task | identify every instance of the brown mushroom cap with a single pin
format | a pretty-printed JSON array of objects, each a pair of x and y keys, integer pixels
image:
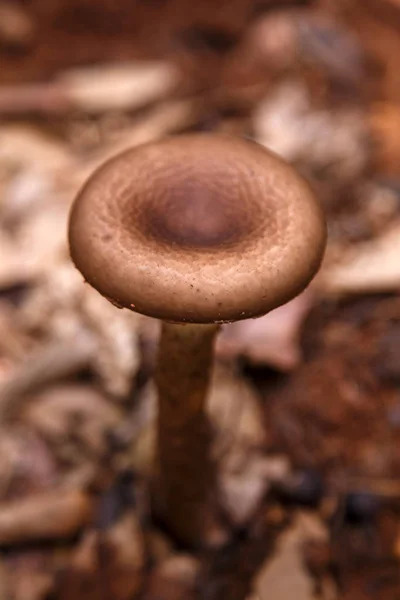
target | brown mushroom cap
[{"x": 200, "y": 228}]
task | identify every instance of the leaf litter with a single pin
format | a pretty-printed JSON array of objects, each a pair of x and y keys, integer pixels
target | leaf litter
[{"x": 310, "y": 390}]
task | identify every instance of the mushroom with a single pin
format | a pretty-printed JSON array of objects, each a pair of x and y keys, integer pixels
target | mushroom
[{"x": 195, "y": 230}]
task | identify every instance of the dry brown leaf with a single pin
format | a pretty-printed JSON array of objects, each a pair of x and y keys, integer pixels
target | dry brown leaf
[
  {"x": 41, "y": 239},
  {"x": 35, "y": 248},
  {"x": 324, "y": 140},
  {"x": 74, "y": 310},
  {"x": 117, "y": 360},
  {"x": 93, "y": 90},
  {"x": 13, "y": 270},
  {"x": 14, "y": 342},
  {"x": 235, "y": 410},
  {"x": 273, "y": 339},
  {"x": 284, "y": 576},
  {"x": 50, "y": 515},
  {"x": 26, "y": 191},
  {"x": 244, "y": 479},
  {"x": 73, "y": 414},
  {"x": 369, "y": 267},
  {"x": 118, "y": 86},
  {"x": 244, "y": 471},
  {"x": 23, "y": 146},
  {"x": 55, "y": 360}
]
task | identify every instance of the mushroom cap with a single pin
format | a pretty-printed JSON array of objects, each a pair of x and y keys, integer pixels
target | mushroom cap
[{"x": 197, "y": 228}]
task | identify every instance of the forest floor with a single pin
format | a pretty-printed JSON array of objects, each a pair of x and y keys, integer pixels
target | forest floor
[{"x": 305, "y": 402}]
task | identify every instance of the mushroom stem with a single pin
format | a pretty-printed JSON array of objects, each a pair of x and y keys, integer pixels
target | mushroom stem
[{"x": 186, "y": 472}]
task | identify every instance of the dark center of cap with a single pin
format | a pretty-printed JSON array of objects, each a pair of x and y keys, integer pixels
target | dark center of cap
[{"x": 193, "y": 215}]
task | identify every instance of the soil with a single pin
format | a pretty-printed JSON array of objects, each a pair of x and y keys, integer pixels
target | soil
[{"x": 334, "y": 414}]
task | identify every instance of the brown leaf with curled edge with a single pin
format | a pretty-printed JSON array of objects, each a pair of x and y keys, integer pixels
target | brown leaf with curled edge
[
  {"x": 368, "y": 267},
  {"x": 273, "y": 339}
]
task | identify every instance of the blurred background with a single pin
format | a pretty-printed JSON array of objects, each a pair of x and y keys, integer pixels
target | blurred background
[{"x": 305, "y": 402}]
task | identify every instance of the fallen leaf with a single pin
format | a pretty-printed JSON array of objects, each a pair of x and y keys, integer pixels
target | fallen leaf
[
  {"x": 74, "y": 414},
  {"x": 244, "y": 470},
  {"x": 284, "y": 576},
  {"x": 368, "y": 267},
  {"x": 42, "y": 366},
  {"x": 273, "y": 339},
  {"x": 24, "y": 194},
  {"x": 22, "y": 147},
  {"x": 334, "y": 142},
  {"x": 49, "y": 515},
  {"x": 74, "y": 311},
  {"x": 118, "y": 86}
]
